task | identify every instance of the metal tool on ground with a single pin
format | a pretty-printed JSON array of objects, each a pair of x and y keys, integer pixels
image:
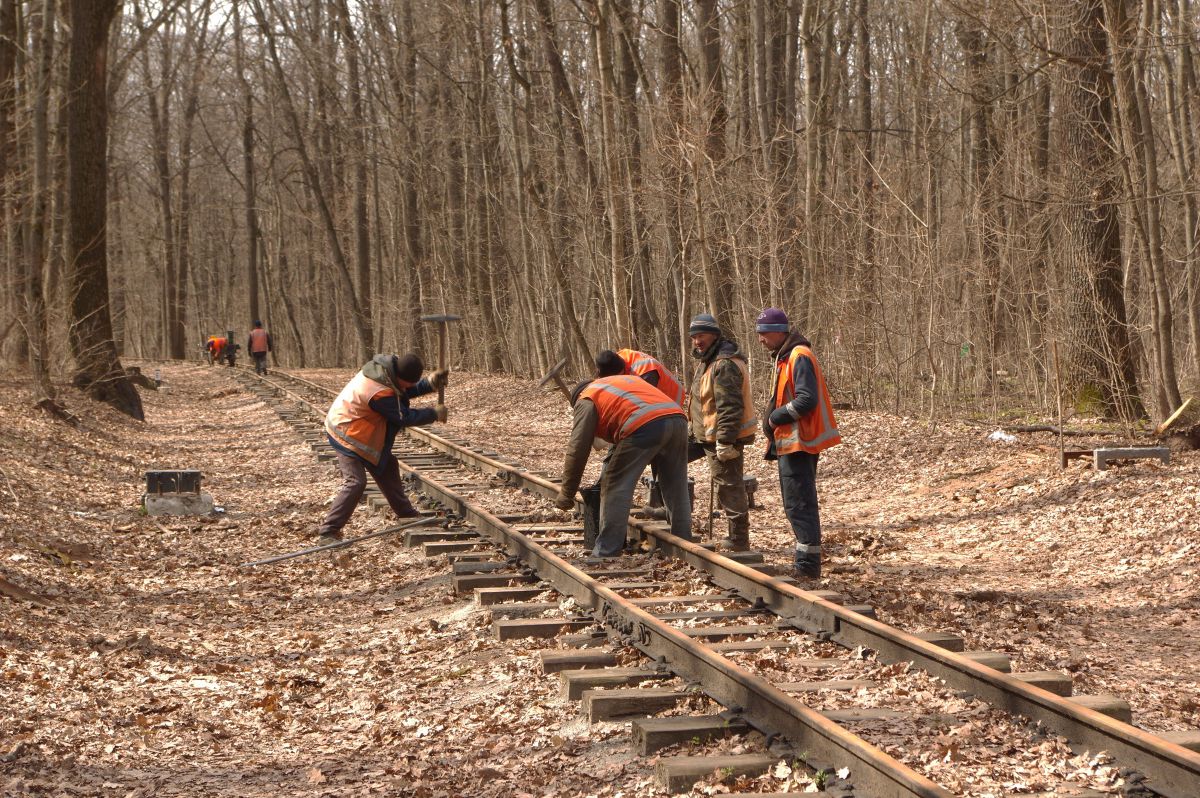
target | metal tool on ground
[
  {"x": 341, "y": 544},
  {"x": 555, "y": 374},
  {"x": 442, "y": 320}
]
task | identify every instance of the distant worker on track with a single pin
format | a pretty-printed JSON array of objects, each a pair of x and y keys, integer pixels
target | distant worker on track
[
  {"x": 215, "y": 347},
  {"x": 647, "y": 428},
  {"x": 723, "y": 421},
  {"x": 259, "y": 345},
  {"x": 362, "y": 424},
  {"x": 799, "y": 425},
  {"x": 639, "y": 364}
]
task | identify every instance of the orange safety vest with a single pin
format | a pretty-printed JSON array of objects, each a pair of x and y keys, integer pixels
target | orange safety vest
[
  {"x": 216, "y": 345},
  {"x": 639, "y": 363},
  {"x": 625, "y": 404},
  {"x": 258, "y": 340},
  {"x": 351, "y": 421},
  {"x": 817, "y": 430},
  {"x": 708, "y": 402}
]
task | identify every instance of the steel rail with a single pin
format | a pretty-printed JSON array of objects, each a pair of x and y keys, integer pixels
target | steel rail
[
  {"x": 761, "y": 704},
  {"x": 1170, "y": 770}
]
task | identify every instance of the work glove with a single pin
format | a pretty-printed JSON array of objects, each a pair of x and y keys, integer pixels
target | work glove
[
  {"x": 780, "y": 416},
  {"x": 564, "y": 502},
  {"x": 727, "y": 452},
  {"x": 440, "y": 378},
  {"x": 600, "y": 445},
  {"x": 440, "y": 413}
]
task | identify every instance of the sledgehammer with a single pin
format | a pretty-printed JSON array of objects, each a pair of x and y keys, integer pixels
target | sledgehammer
[
  {"x": 442, "y": 320},
  {"x": 553, "y": 374}
]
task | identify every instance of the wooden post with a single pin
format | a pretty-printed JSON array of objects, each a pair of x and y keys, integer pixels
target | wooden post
[{"x": 1062, "y": 460}]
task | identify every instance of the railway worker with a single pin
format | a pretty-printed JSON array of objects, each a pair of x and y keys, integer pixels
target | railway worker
[
  {"x": 362, "y": 424},
  {"x": 646, "y": 428},
  {"x": 639, "y": 364},
  {"x": 215, "y": 346},
  {"x": 723, "y": 421},
  {"x": 799, "y": 424},
  {"x": 258, "y": 346}
]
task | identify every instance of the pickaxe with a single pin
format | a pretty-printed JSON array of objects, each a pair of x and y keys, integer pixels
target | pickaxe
[
  {"x": 553, "y": 374},
  {"x": 442, "y": 320}
]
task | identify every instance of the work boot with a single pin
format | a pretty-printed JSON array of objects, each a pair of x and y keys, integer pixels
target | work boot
[
  {"x": 808, "y": 569},
  {"x": 739, "y": 536},
  {"x": 328, "y": 538}
]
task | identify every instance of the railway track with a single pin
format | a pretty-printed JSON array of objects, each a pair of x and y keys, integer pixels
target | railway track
[{"x": 825, "y": 685}]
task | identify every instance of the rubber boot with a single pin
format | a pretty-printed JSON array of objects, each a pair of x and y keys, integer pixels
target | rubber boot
[
  {"x": 808, "y": 568},
  {"x": 739, "y": 535}
]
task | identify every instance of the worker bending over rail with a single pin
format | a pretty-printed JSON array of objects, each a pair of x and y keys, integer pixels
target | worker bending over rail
[
  {"x": 799, "y": 425},
  {"x": 639, "y": 364},
  {"x": 362, "y": 424},
  {"x": 215, "y": 347},
  {"x": 646, "y": 428}
]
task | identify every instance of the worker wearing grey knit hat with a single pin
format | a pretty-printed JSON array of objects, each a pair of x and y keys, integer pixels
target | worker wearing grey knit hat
[{"x": 723, "y": 421}]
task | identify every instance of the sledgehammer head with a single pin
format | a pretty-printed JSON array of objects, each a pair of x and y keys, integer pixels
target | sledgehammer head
[{"x": 553, "y": 372}]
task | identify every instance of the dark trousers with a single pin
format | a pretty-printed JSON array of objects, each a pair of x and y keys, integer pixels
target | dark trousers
[
  {"x": 260, "y": 362},
  {"x": 661, "y": 443},
  {"x": 798, "y": 483},
  {"x": 354, "y": 482},
  {"x": 729, "y": 481}
]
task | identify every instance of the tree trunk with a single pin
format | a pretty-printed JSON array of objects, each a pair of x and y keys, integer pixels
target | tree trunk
[
  {"x": 1100, "y": 365},
  {"x": 97, "y": 366}
]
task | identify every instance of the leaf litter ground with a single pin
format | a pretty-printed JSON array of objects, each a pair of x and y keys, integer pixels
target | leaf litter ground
[{"x": 155, "y": 666}]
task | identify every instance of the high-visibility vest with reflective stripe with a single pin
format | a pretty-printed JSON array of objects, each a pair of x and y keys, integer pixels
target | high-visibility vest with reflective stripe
[
  {"x": 258, "y": 340},
  {"x": 708, "y": 402},
  {"x": 625, "y": 404},
  {"x": 216, "y": 345},
  {"x": 817, "y": 430},
  {"x": 639, "y": 363},
  {"x": 353, "y": 424}
]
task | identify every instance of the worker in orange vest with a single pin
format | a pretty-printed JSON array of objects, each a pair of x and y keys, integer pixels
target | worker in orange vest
[
  {"x": 799, "y": 425},
  {"x": 258, "y": 346},
  {"x": 215, "y": 348},
  {"x": 645, "y": 428},
  {"x": 639, "y": 364},
  {"x": 362, "y": 424}
]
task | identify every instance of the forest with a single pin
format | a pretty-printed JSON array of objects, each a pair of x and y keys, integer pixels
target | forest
[{"x": 963, "y": 204}]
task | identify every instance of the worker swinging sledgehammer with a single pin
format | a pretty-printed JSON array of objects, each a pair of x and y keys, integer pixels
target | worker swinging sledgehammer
[{"x": 362, "y": 424}]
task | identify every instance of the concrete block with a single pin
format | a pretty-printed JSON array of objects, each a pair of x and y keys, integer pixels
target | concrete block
[
  {"x": 574, "y": 682},
  {"x": 559, "y": 660},
  {"x": 1116, "y": 708},
  {"x": 623, "y": 702},
  {"x": 678, "y": 773},
  {"x": 178, "y": 503},
  {"x": 1055, "y": 682},
  {"x": 652, "y": 734}
]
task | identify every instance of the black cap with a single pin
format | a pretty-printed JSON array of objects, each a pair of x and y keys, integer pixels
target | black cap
[
  {"x": 407, "y": 367},
  {"x": 257, "y": 323},
  {"x": 609, "y": 364}
]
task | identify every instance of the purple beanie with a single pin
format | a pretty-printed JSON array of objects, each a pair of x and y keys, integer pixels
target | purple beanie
[{"x": 772, "y": 320}]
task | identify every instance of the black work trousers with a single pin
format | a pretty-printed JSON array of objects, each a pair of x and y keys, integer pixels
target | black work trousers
[
  {"x": 354, "y": 482},
  {"x": 260, "y": 362},
  {"x": 798, "y": 483}
]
